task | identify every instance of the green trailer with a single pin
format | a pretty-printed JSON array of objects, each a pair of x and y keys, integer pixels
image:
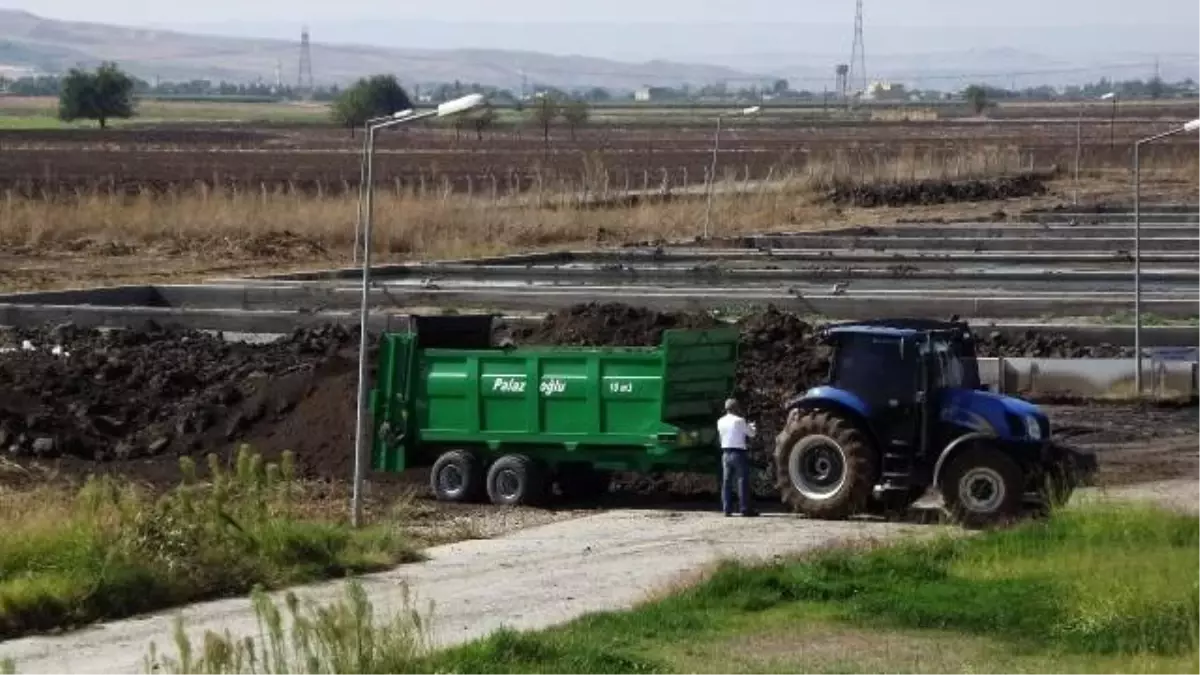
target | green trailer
[{"x": 510, "y": 423}]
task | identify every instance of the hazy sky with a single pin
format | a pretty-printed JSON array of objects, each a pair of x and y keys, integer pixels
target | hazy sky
[
  {"x": 625, "y": 29},
  {"x": 881, "y": 12}
]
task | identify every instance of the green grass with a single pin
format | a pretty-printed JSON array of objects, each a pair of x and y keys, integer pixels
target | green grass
[
  {"x": 41, "y": 113},
  {"x": 1095, "y": 589},
  {"x": 110, "y": 551}
]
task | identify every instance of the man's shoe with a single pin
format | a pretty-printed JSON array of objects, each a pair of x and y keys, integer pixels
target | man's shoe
[
  {"x": 750, "y": 514},
  {"x": 728, "y": 514}
]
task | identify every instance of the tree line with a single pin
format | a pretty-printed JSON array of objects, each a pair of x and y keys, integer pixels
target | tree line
[{"x": 110, "y": 93}]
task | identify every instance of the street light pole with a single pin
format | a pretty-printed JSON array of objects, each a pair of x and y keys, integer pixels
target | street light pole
[
  {"x": 712, "y": 169},
  {"x": 1194, "y": 125},
  {"x": 1078, "y": 150},
  {"x": 1079, "y": 141},
  {"x": 362, "y": 174},
  {"x": 366, "y": 209},
  {"x": 1112, "y": 122}
]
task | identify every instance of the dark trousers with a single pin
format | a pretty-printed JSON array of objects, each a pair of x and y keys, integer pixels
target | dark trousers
[{"x": 735, "y": 466}]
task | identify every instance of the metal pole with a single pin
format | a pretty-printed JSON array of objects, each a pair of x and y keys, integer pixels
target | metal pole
[
  {"x": 712, "y": 176},
  {"x": 1112, "y": 125},
  {"x": 362, "y": 183},
  {"x": 1137, "y": 269},
  {"x": 363, "y": 384},
  {"x": 1078, "y": 150}
]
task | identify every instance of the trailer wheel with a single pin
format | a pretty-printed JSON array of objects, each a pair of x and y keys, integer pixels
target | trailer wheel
[
  {"x": 457, "y": 476},
  {"x": 983, "y": 488},
  {"x": 825, "y": 465},
  {"x": 516, "y": 480}
]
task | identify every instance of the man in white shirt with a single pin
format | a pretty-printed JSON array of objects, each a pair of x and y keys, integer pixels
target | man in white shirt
[{"x": 735, "y": 462}]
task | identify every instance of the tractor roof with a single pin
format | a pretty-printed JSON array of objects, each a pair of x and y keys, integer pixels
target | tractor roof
[{"x": 896, "y": 327}]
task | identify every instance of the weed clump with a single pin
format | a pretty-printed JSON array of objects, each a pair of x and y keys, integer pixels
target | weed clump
[{"x": 111, "y": 550}]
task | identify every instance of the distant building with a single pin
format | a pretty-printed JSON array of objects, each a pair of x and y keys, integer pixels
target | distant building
[
  {"x": 645, "y": 94},
  {"x": 886, "y": 91}
]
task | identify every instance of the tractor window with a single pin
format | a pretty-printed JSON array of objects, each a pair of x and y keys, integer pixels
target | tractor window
[
  {"x": 875, "y": 367},
  {"x": 952, "y": 369}
]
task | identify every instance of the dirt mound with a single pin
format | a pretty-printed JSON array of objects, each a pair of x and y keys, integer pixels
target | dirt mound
[
  {"x": 1032, "y": 344},
  {"x": 923, "y": 192},
  {"x": 155, "y": 391},
  {"x": 136, "y": 399},
  {"x": 608, "y": 324}
]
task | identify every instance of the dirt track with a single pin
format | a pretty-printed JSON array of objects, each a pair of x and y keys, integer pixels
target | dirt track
[
  {"x": 527, "y": 580},
  {"x": 530, "y": 579}
]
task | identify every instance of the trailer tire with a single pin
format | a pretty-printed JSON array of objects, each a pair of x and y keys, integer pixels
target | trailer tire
[
  {"x": 457, "y": 476},
  {"x": 516, "y": 480},
  {"x": 826, "y": 465},
  {"x": 983, "y": 488}
]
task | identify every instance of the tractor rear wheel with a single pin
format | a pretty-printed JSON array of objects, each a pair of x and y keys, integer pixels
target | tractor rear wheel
[
  {"x": 516, "y": 480},
  {"x": 982, "y": 487},
  {"x": 825, "y": 464},
  {"x": 457, "y": 476}
]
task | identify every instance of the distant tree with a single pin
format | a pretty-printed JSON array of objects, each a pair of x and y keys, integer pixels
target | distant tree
[
  {"x": 369, "y": 97},
  {"x": 977, "y": 98},
  {"x": 102, "y": 95},
  {"x": 599, "y": 95},
  {"x": 780, "y": 87},
  {"x": 545, "y": 110},
  {"x": 575, "y": 113},
  {"x": 1155, "y": 87},
  {"x": 483, "y": 120}
]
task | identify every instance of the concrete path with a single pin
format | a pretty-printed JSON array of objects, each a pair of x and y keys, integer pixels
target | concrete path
[{"x": 531, "y": 579}]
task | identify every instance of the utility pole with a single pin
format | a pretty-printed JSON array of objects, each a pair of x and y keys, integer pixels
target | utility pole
[
  {"x": 304, "y": 81},
  {"x": 858, "y": 57}
]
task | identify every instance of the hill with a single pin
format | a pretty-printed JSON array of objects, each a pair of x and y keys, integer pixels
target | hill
[{"x": 32, "y": 43}]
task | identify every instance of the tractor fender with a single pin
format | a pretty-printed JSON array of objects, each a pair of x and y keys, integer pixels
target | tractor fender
[
  {"x": 801, "y": 405},
  {"x": 952, "y": 447}
]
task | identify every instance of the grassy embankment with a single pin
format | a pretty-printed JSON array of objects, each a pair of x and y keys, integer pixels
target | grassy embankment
[
  {"x": 111, "y": 550},
  {"x": 1099, "y": 589}
]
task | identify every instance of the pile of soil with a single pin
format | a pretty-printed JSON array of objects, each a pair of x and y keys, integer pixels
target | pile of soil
[
  {"x": 120, "y": 395},
  {"x": 607, "y": 325},
  {"x": 924, "y": 192},
  {"x": 128, "y": 398},
  {"x": 1031, "y": 344}
]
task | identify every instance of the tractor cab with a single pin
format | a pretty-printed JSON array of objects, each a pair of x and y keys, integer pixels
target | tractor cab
[{"x": 903, "y": 409}]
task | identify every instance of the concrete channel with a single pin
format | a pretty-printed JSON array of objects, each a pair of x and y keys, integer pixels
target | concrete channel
[{"x": 1045, "y": 267}]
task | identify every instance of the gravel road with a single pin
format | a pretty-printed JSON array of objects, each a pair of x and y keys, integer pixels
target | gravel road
[{"x": 529, "y": 579}]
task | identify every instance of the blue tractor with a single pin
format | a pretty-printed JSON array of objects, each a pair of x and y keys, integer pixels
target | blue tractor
[{"x": 903, "y": 410}]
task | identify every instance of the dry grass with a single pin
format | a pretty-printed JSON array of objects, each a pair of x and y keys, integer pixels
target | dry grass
[
  {"x": 432, "y": 222},
  {"x": 95, "y": 236}
]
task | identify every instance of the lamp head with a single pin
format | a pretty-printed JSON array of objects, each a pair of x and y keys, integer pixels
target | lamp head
[
  {"x": 1192, "y": 126},
  {"x": 461, "y": 105},
  {"x": 401, "y": 114},
  {"x": 754, "y": 110},
  {"x": 1109, "y": 96}
]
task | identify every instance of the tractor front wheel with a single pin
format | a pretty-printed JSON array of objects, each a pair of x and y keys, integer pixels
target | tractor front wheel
[
  {"x": 825, "y": 465},
  {"x": 983, "y": 488}
]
